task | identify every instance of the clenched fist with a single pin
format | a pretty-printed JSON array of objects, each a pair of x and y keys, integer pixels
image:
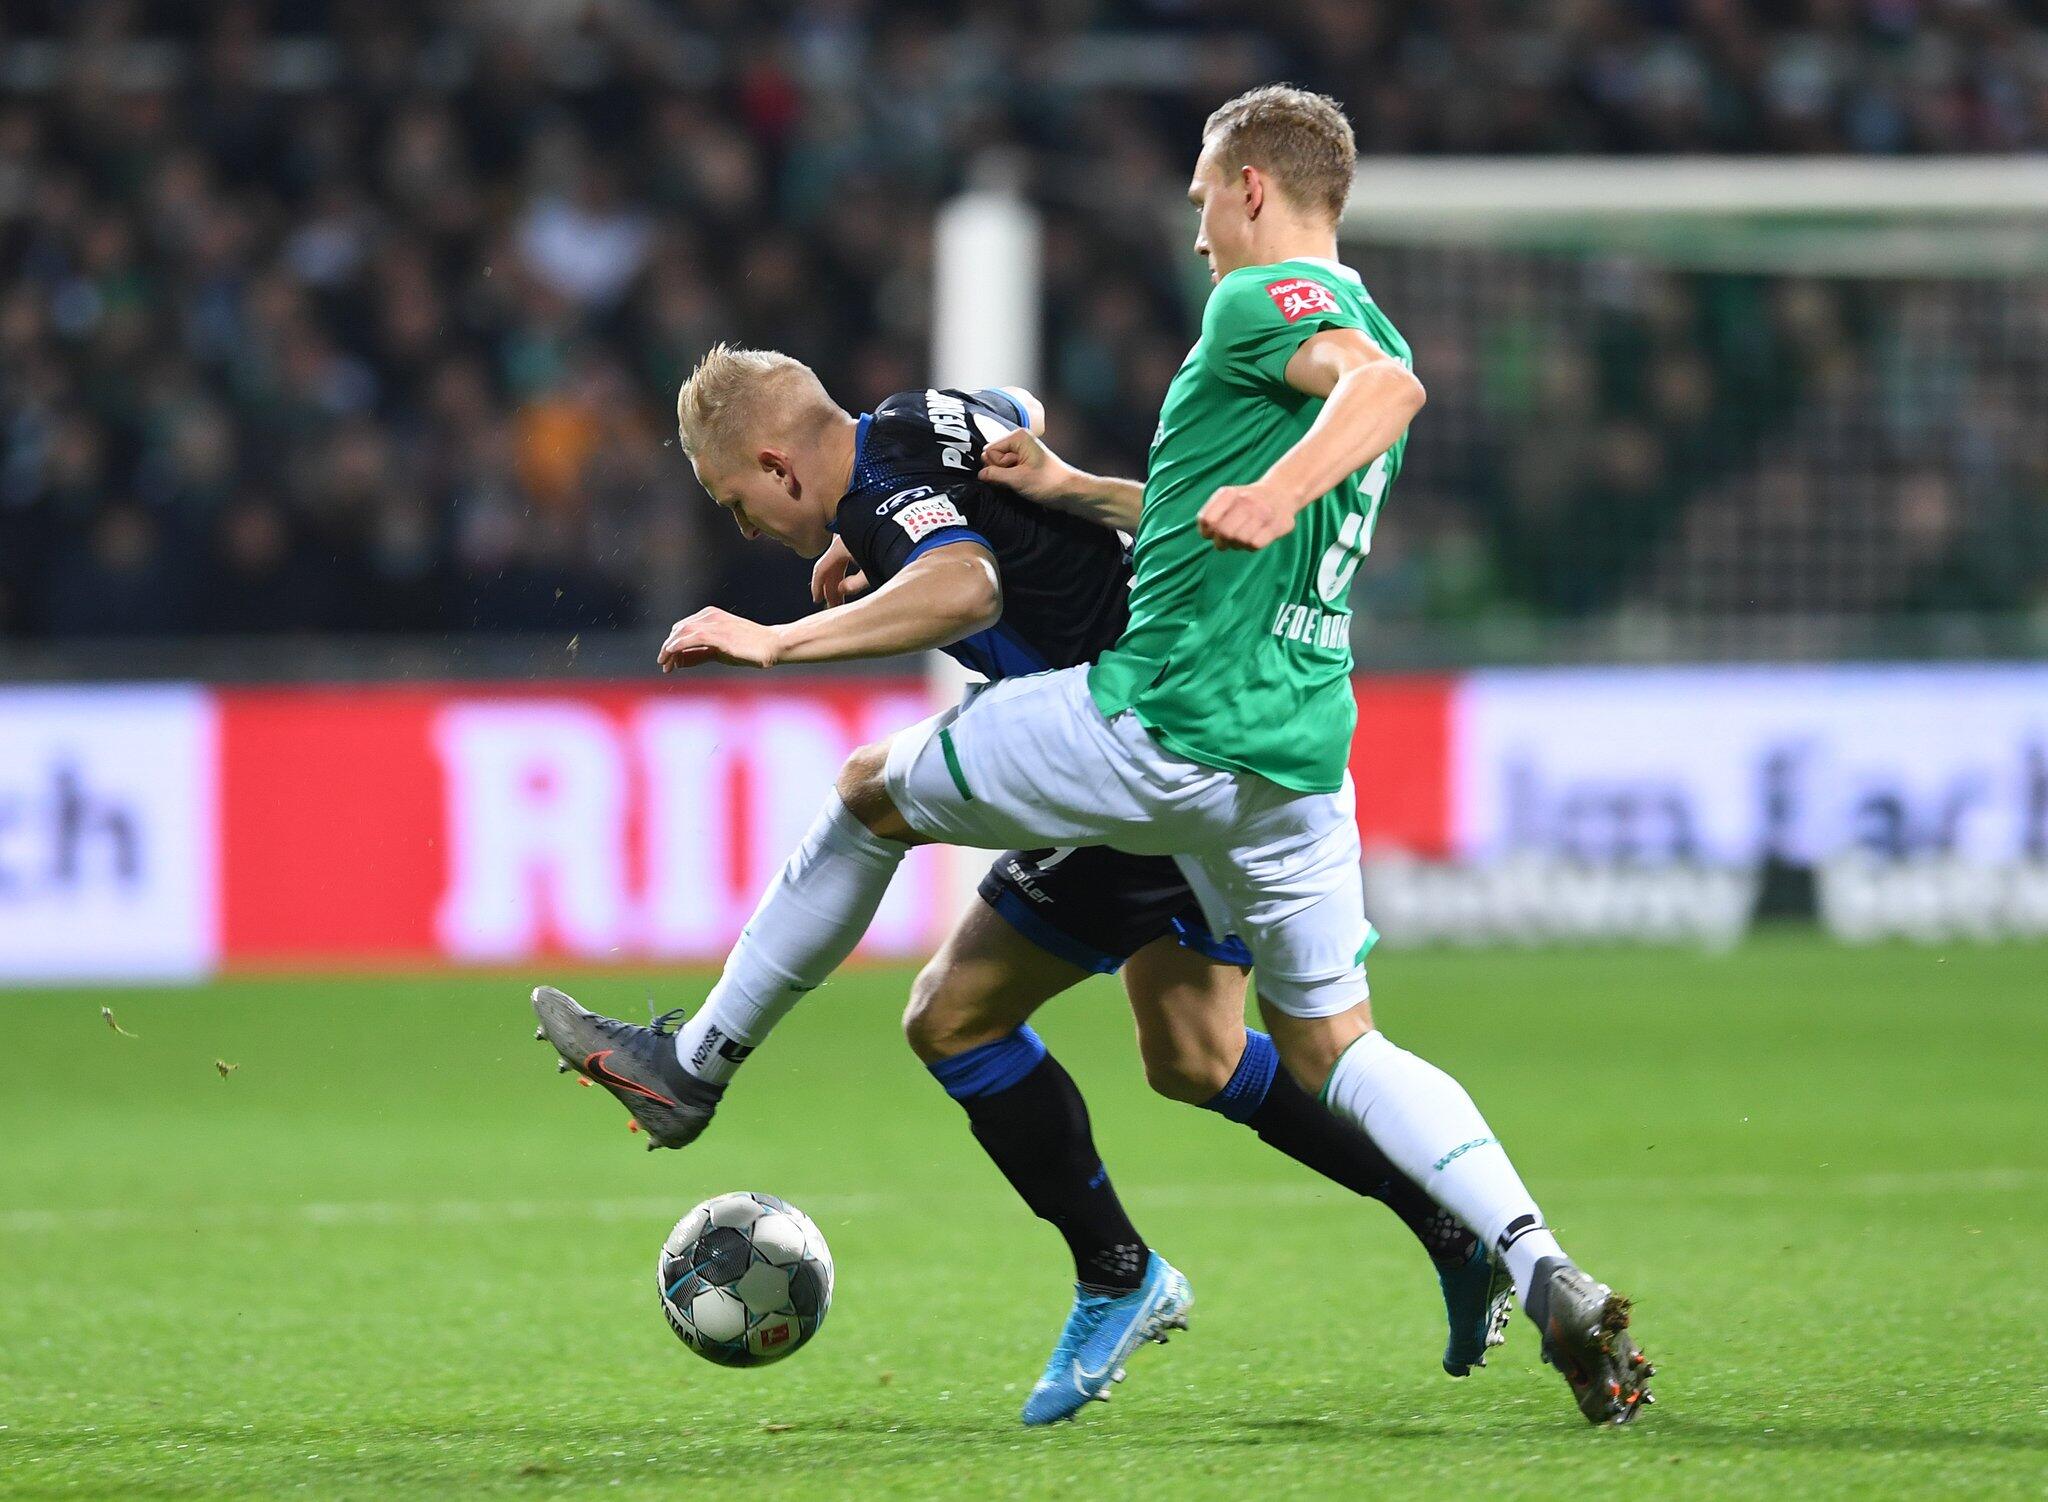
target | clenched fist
[
  {"x": 1020, "y": 461},
  {"x": 1245, "y": 517}
]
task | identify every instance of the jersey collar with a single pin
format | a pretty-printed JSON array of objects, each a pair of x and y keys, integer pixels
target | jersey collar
[
  {"x": 1337, "y": 266},
  {"x": 860, "y": 444}
]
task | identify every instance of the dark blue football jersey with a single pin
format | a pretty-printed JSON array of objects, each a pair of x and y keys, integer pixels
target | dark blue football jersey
[{"x": 1066, "y": 582}]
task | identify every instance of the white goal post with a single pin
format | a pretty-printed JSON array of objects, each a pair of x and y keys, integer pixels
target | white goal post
[
  {"x": 985, "y": 315},
  {"x": 1493, "y": 188},
  {"x": 1860, "y": 216}
]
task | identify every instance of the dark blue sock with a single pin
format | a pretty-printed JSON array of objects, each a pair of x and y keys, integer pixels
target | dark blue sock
[
  {"x": 991, "y": 1068},
  {"x": 1241, "y": 1098},
  {"x": 1028, "y": 1116}
]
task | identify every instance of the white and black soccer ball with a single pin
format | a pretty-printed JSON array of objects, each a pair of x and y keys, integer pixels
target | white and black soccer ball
[{"x": 745, "y": 1279}]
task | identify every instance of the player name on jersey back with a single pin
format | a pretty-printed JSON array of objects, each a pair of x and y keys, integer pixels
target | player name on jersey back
[
  {"x": 916, "y": 487},
  {"x": 1325, "y": 630}
]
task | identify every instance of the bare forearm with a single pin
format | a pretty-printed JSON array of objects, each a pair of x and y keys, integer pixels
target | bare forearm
[
  {"x": 920, "y": 609},
  {"x": 1366, "y": 411},
  {"x": 1101, "y": 499}
]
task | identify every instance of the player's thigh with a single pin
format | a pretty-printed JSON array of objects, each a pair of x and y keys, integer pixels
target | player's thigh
[
  {"x": 985, "y": 982},
  {"x": 1291, "y": 888},
  {"x": 1293, "y": 891},
  {"x": 1189, "y": 1011}
]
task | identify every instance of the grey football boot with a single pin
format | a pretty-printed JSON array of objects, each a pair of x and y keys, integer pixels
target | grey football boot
[
  {"x": 637, "y": 1064},
  {"x": 1585, "y": 1336}
]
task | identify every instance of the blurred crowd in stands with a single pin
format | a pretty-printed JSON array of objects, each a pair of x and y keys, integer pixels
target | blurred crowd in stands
[{"x": 365, "y": 316}]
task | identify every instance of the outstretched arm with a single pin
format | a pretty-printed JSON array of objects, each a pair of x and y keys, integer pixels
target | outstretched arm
[
  {"x": 1020, "y": 461},
  {"x": 1369, "y": 400},
  {"x": 948, "y": 593}
]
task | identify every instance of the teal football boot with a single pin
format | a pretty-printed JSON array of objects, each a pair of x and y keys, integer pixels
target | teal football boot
[{"x": 1479, "y": 1298}]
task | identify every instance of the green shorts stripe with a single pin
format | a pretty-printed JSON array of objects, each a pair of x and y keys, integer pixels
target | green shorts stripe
[
  {"x": 953, "y": 764},
  {"x": 1372, "y": 937}
]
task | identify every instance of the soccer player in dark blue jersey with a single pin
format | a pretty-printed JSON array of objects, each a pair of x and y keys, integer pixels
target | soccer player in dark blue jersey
[{"x": 916, "y": 552}]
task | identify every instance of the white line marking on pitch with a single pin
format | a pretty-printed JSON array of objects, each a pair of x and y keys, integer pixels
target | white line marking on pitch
[{"x": 653, "y": 1209}]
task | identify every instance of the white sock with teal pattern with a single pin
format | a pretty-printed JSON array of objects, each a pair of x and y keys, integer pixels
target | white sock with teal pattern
[{"x": 1424, "y": 1121}]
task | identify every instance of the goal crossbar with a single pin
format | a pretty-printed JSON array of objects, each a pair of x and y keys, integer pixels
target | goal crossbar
[{"x": 1494, "y": 188}]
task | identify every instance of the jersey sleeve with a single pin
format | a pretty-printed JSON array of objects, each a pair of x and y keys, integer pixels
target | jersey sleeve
[
  {"x": 885, "y": 536},
  {"x": 999, "y": 401},
  {"x": 1254, "y": 323}
]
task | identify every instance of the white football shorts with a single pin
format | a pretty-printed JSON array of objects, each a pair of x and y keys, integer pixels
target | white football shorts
[{"x": 1032, "y": 762}]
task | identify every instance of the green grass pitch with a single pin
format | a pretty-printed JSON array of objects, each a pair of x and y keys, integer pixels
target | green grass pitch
[{"x": 392, "y": 1254}]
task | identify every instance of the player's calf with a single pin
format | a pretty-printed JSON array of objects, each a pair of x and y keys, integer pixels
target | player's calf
[
  {"x": 1027, "y": 1114},
  {"x": 808, "y": 922},
  {"x": 1478, "y": 1297},
  {"x": 1191, "y": 1034},
  {"x": 1429, "y": 1126}
]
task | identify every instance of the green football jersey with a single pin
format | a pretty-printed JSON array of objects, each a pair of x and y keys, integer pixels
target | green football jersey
[{"x": 1243, "y": 660}]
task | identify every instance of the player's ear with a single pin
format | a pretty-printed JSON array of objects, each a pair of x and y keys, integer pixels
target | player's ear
[
  {"x": 775, "y": 464},
  {"x": 1254, "y": 186}
]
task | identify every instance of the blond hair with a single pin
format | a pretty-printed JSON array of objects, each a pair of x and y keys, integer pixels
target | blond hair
[
  {"x": 736, "y": 395},
  {"x": 1301, "y": 138}
]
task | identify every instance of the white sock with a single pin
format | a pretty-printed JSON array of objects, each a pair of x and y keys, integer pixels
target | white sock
[
  {"x": 809, "y": 921},
  {"x": 1425, "y": 1122}
]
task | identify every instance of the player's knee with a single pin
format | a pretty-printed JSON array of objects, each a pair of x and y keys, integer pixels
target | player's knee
[
  {"x": 1309, "y": 1047},
  {"x": 863, "y": 785},
  {"x": 1184, "y": 1070},
  {"x": 864, "y": 788},
  {"x": 934, "y": 1023}
]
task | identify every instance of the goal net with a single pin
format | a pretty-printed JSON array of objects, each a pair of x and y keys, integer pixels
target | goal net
[{"x": 1714, "y": 408}]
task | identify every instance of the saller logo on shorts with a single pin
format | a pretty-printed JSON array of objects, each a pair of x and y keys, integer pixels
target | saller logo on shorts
[
  {"x": 1299, "y": 296},
  {"x": 922, "y": 518}
]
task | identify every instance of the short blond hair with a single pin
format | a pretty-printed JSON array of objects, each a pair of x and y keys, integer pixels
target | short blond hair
[
  {"x": 736, "y": 395},
  {"x": 1302, "y": 139}
]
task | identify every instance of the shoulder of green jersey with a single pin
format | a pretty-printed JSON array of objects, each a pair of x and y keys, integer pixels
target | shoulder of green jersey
[
  {"x": 1290, "y": 291},
  {"x": 1319, "y": 267}
]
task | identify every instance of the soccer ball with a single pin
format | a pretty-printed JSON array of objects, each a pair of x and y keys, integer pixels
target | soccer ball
[{"x": 745, "y": 1279}]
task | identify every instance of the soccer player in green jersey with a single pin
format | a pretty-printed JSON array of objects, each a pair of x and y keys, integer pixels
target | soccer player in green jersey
[{"x": 1278, "y": 440}]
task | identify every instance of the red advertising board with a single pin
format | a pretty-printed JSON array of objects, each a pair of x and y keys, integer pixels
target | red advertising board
[
  {"x": 168, "y": 832},
  {"x": 399, "y": 825},
  {"x": 1401, "y": 763}
]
